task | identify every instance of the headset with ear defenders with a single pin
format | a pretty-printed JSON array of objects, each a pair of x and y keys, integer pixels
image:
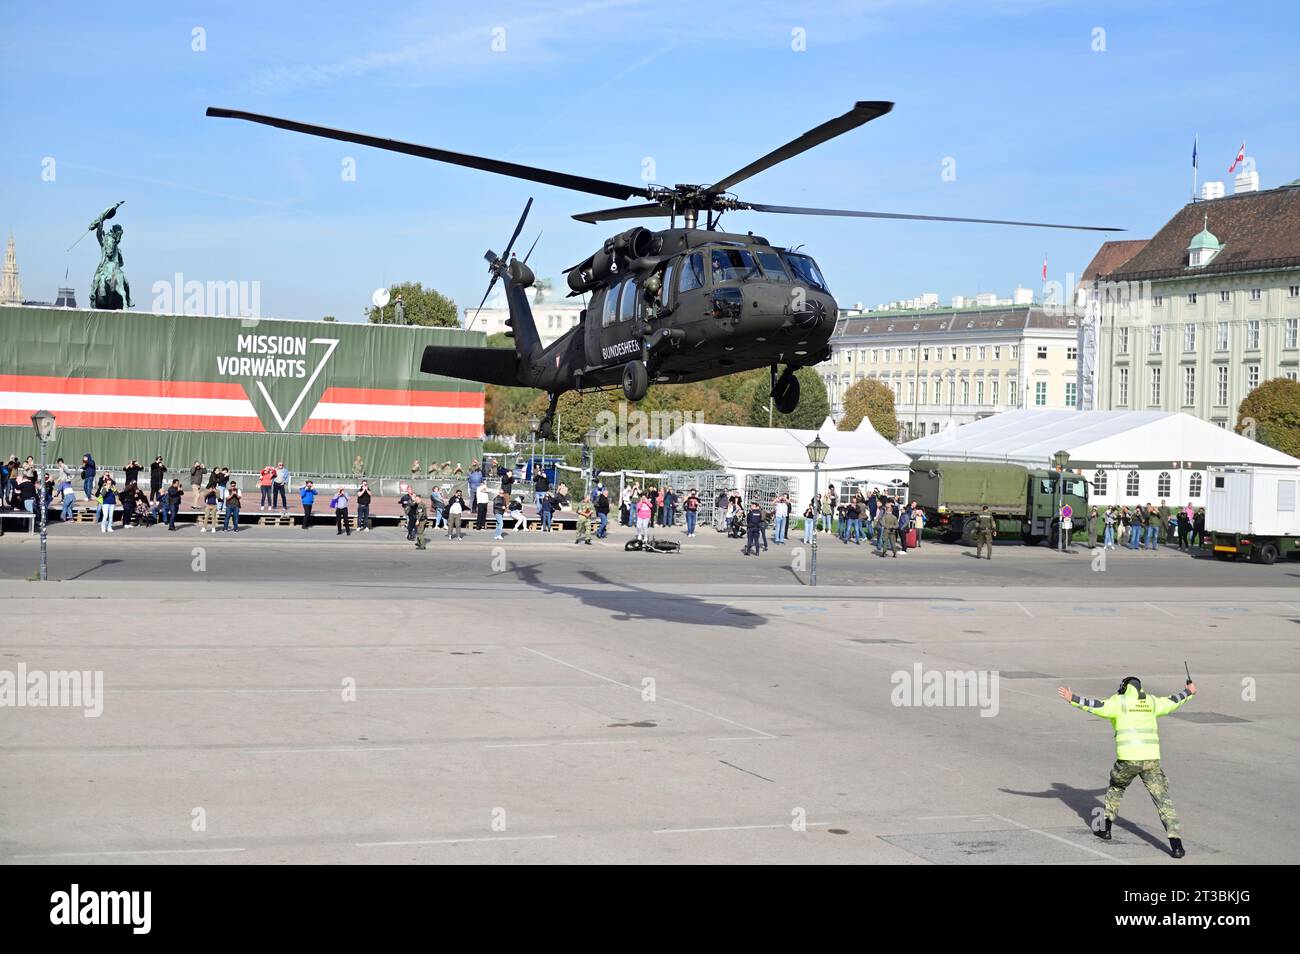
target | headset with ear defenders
[{"x": 1136, "y": 682}]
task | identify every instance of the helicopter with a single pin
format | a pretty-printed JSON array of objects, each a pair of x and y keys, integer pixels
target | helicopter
[{"x": 676, "y": 305}]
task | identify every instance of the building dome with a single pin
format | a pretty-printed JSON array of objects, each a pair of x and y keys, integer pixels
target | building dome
[{"x": 1204, "y": 245}]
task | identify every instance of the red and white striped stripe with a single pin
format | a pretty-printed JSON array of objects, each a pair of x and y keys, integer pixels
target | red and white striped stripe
[{"x": 225, "y": 406}]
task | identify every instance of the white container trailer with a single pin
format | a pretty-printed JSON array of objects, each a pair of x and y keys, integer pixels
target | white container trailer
[{"x": 1253, "y": 511}]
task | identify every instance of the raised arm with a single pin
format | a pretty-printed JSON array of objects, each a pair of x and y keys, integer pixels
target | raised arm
[
  {"x": 1167, "y": 704},
  {"x": 1102, "y": 708}
]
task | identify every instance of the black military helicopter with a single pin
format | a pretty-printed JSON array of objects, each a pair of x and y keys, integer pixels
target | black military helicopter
[{"x": 673, "y": 306}]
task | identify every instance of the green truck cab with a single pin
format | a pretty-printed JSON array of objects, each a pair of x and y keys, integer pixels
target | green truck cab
[{"x": 1021, "y": 500}]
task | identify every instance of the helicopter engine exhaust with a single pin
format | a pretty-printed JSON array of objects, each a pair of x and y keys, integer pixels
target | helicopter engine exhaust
[{"x": 616, "y": 253}]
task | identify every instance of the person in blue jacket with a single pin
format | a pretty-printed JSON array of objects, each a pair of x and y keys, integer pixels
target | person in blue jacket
[
  {"x": 307, "y": 493},
  {"x": 88, "y": 475}
]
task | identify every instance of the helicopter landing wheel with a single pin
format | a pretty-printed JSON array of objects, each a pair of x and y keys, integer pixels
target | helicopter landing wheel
[
  {"x": 785, "y": 393},
  {"x": 636, "y": 381}
]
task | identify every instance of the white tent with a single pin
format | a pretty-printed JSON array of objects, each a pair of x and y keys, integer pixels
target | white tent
[
  {"x": 1130, "y": 456},
  {"x": 860, "y": 456}
]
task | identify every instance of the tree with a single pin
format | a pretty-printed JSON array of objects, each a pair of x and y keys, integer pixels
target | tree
[
  {"x": 813, "y": 409},
  {"x": 424, "y": 306},
  {"x": 1271, "y": 415},
  {"x": 873, "y": 400}
]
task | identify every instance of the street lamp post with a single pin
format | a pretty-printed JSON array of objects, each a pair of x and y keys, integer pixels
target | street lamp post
[
  {"x": 1060, "y": 460},
  {"x": 533, "y": 424},
  {"x": 589, "y": 442},
  {"x": 817, "y": 455},
  {"x": 44, "y": 424}
]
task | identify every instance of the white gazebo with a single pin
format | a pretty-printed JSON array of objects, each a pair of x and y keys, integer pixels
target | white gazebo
[
  {"x": 859, "y": 457},
  {"x": 1129, "y": 457}
]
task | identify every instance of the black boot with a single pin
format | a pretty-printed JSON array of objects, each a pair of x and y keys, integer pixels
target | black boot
[
  {"x": 1176, "y": 847},
  {"x": 1103, "y": 833}
]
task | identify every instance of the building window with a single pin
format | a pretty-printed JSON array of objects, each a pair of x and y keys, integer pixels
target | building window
[
  {"x": 966, "y": 352},
  {"x": 1291, "y": 324},
  {"x": 922, "y": 392},
  {"x": 1189, "y": 337},
  {"x": 1295, "y": 291},
  {"x": 1015, "y": 352},
  {"x": 1194, "y": 486},
  {"x": 1155, "y": 387},
  {"x": 938, "y": 393},
  {"x": 925, "y": 354},
  {"x": 1252, "y": 335},
  {"x": 1221, "y": 386},
  {"x": 911, "y": 355},
  {"x": 965, "y": 392},
  {"x": 1255, "y": 294},
  {"x": 1072, "y": 354},
  {"x": 1191, "y": 298},
  {"x": 1252, "y": 376},
  {"x": 1189, "y": 387},
  {"x": 911, "y": 392},
  {"x": 993, "y": 391},
  {"x": 1122, "y": 395},
  {"x": 983, "y": 352},
  {"x": 952, "y": 391},
  {"x": 1040, "y": 393},
  {"x": 1071, "y": 393},
  {"x": 1157, "y": 333},
  {"x": 1225, "y": 297},
  {"x": 1221, "y": 336},
  {"x": 1132, "y": 484},
  {"x": 1099, "y": 484},
  {"x": 1158, "y": 301},
  {"x": 997, "y": 352},
  {"x": 1163, "y": 485},
  {"x": 1042, "y": 352},
  {"x": 979, "y": 391},
  {"x": 934, "y": 427},
  {"x": 954, "y": 354}
]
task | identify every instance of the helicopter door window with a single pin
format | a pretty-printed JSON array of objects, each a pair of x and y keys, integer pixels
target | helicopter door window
[
  {"x": 731, "y": 264},
  {"x": 692, "y": 275},
  {"x": 774, "y": 269},
  {"x": 665, "y": 292},
  {"x": 608, "y": 309},
  {"x": 627, "y": 304}
]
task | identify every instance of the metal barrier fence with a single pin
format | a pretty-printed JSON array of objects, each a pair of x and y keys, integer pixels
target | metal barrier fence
[
  {"x": 707, "y": 484},
  {"x": 765, "y": 488}
]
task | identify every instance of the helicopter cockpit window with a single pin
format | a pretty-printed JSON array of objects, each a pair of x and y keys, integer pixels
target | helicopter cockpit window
[
  {"x": 774, "y": 269},
  {"x": 609, "y": 310},
  {"x": 627, "y": 303},
  {"x": 806, "y": 270},
  {"x": 692, "y": 272},
  {"x": 731, "y": 264}
]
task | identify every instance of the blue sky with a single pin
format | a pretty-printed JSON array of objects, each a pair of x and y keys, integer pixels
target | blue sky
[{"x": 1040, "y": 125}]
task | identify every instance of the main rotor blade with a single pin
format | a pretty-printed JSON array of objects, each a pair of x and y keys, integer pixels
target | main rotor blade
[
  {"x": 561, "y": 179},
  {"x": 505, "y": 256},
  {"x": 862, "y": 112},
  {"x": 646, "y": 211},
  {"x": 797, "y": 210}
]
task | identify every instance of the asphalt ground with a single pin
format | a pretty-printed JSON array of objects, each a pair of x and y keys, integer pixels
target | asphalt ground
[{"x": 290, "y": 696}]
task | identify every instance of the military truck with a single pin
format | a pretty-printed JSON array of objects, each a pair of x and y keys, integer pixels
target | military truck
[
  {"x": 1021, "y": 500},
  {"x": 1252, "y": 512}
]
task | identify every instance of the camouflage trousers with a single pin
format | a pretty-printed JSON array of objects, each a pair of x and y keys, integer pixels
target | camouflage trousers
[
  {"x": 983, "y": 543},
  {"x": 1153, "y": 777},
  {"x": 583, "y": 528}
]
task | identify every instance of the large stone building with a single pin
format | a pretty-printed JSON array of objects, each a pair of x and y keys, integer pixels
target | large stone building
[
  {"x": 1198, "y": 316},
  {"x": 956, "y": 365},
  {"x": 554, "y": 316}
]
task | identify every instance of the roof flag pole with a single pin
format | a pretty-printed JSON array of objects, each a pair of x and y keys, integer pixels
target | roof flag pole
[{"x": 1195, "y": 141}]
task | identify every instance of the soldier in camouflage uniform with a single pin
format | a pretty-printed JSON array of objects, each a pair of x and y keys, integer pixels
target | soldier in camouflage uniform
[
  {"x": 584, "y": 522},
  {"x": 985, "y": 531},
  {"x": 421, "y": 521},
  {"x": 1133, "y": 714}
]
